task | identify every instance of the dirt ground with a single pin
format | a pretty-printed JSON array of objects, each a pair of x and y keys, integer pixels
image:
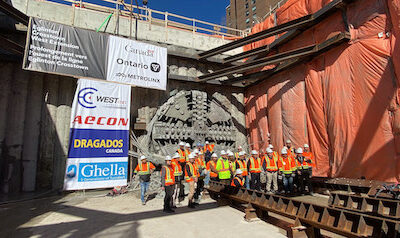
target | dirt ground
[{"x": 95, "y": 215}]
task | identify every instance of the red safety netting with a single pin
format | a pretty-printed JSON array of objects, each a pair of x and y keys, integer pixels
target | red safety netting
[{"x": 345, "y": 102}]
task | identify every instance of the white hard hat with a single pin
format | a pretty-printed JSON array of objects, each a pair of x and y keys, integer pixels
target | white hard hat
[
  {"x": 271, "y": 146},
  {"x": 143, "y": 157},
  {"x": 187, "y": 145},
  {"x": 196, "y": 151},
  {"x": 207, "y": 142},
  {"x": 244, "y": 152},
  {"x": 181, "y": 143},
  {"x": 240, "y": 147},
  {"x": 285, "y": 148},
  {"x": 223, "y": 152},
  {"x": 214, "y": 155},
  {"x": 288, "y": 141},
  {"x": 299, "y": 150},
  {"x": 230, "y": 153},
  {"x": 284, "y": 151},
  {"x": 306, "y": 146},
  {"x": 167, "y": 158},
  {"x": 191, "y": 156},
  {"x": 176, "y": 155},
  {"x": 241, "y": 153},
  {"x": 254, "y": 152},
  {"x": 239, "y": 171},
  {"x": 268, "y": 150}
]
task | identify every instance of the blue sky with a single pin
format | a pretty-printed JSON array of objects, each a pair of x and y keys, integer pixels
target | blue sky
[{"x": 206, "y": 10}]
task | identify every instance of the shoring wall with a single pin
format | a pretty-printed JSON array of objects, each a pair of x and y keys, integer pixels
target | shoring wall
[{"x": 345, "y": 102}]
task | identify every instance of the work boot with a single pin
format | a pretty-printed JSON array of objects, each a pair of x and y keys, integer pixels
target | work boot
[
  {"x": 191, "y": 205},
  {"x": 143, "y": 203},
  {"x": 166, "y": 210}
]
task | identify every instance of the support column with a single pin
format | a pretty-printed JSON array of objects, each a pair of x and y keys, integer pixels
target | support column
[
  {"x": 5, "y": 80},
  {"x": 30, "y": 151}
]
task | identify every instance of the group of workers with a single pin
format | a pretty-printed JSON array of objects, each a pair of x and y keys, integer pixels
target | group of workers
[{"x": 287, "y": 171}]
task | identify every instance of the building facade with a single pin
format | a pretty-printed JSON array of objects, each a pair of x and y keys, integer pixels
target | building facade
[{"x": 244, "y": 14}]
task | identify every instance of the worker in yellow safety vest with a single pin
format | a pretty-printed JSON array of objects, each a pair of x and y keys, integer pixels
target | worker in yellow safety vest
[{"x": 223, "y": 168}]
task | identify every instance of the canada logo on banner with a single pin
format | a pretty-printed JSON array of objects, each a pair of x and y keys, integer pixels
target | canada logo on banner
[{"x": 99, "y": 136}]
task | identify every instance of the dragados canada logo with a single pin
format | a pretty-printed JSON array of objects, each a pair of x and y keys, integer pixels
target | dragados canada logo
[{"x": 85, "y": 97}]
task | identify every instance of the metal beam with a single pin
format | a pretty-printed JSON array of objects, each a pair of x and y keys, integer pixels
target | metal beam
[
  {"x": 339, "y": 221},
  {"x": 11, "y": 46},
  {"x": 277, "y": 58},
  {"x": 13, "y": 12},
  {"x": 299, "y": 23}
]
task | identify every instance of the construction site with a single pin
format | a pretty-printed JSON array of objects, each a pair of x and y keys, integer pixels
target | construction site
[{"x": 320, "y": 74}]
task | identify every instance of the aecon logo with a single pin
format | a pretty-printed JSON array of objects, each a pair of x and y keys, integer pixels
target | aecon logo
[
  {"x": 71, "y": 171},
  {"x": 85, "y": 97}
]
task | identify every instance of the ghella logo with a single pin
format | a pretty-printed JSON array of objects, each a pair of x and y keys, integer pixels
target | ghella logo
[{"x": 89, "y": 98}]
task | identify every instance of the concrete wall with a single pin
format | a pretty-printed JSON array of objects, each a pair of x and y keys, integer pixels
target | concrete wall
[{"x": 90, "y": 19}]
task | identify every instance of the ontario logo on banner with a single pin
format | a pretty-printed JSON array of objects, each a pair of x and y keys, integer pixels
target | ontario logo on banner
[{"x": 99, "y": 136}]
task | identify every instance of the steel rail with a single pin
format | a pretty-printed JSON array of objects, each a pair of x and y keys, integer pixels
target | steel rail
[
  {"x": 339, "y": 221},
  {"x": 302, "y": 22},
  {"x": 369, "y": 205}
]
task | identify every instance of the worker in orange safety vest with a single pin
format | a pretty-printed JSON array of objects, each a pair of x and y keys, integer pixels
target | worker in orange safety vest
[
  {"x": 270, "y": 165},
  {"x": 254, "y": 167},
  {"x": 191, "y": 177},
  {"x": 168, "y": 183},
  {"x": 238, "y": 180},
  {"x": 241, "y": 164},
  {"x": 144, "y": 169},
  {"x": 178, "y": 173},
  {"x": 287, "y": 167}
]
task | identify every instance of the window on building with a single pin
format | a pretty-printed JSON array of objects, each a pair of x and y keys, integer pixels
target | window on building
[
  {"x": 254, "y": 8},
  {"x": 253, "y": 1},
  {"x": 247, "y": 20},
  {"x": 246, "y": 5},
  {"x": 247, "y": 13}
]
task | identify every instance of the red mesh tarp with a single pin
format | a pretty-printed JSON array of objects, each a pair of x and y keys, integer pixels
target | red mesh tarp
[{"x": 345, "y": 102}]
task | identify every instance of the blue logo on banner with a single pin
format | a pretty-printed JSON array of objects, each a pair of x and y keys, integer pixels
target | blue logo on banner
[
  {"x": 92, "y": 143},
  {"x": 71, "y": 171},
  {"x": 85, "y": 97},
  {"x": 102, "y": 171}
]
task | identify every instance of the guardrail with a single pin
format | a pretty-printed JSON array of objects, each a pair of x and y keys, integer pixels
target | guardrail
[{"x": 129, "y": 10}]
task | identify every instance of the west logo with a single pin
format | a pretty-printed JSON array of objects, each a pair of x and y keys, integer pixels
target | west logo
[
  {"x": 107, "y": 99},
  {"x": 155, "y": 67}
]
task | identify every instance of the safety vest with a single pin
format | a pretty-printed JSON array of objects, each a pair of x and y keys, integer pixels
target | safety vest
[
  {"x": 143, "y": 170},
  {"x": 193, "y": 171},
  {"x": 187, "y": 153},
  {"x": 272, "y": 164},
  {"x": 309, "y": 156},
  {"x": 200, "y": 163},
  {"x": 169, "y": 176},
  {"x": 287, "y": 165},
  {"x": 243, "y": 167},
  {"x": 177, "y": 168},
  {"x": 255, "y": 165},
  {"x": 223, "y": 169},
  {"x": 209, "y": 148},
  {"x": 241, "y": 181},
  {"x": 182, "y": 155},
  {"x": 233, "y": 165},
  {"x": 209, "y": 164},
  {"x": 237, "y": 155}
]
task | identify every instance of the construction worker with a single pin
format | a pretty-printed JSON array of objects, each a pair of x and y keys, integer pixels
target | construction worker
[
  {"x": 201, "y": 167},
  {"x": 182, "y": 153},
  {"x": 254, "y": 167},
  {"x": 191, "y": 177},
  {"x": 307, "y": 167},
  {"x": 182, "y": 160},
  {"x": 144, "y": 170},
  {"x": 178, "y": 173},
  {"x": 200, "y": 147},
  {"x": 187, "y": 151},
  {"x": 238, "y": 180},
  {"x": 232, "y": 162},
  {"x": 211, "y": 169},
  {"x": 290, "y": 147},
  {"x": 223, "y": 168},
  {"x": 242, "y": 165},
  {"x": 237, "y": 153},
  {"x": 208, "y": 150},
  {"x": 270, "y": 165},
  {"x": 168, "y": 184},
  {"x": 286, "y": 167}
]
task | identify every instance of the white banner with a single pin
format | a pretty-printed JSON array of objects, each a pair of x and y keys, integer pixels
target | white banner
[
  {"x": 99, "y": 136},
  {"x": 136, "y": 63}
]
